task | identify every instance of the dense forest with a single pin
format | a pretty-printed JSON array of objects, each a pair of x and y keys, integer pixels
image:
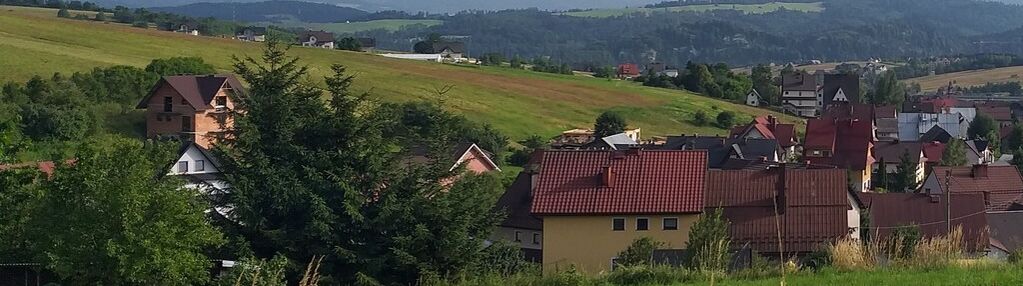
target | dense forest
[
  {"x": 845, "y": 30},
  {"x": 268, "y": 11}
]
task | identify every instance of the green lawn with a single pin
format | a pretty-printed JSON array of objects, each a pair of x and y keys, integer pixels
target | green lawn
[
  {"x": 747, "y": 8},
  {"x": 517, "y": 102},
  {"x": 354, "y": 27},
  {"x": 990, "y": 275}
]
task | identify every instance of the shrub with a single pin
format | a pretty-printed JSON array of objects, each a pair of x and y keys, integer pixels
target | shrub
[
  {"x": 650, "y": 275},
  {"x": 1016, "y": 256},
  {"x": 938, "y": 251},
  {"x": 640, "y": 252},
  {"x": 708, "y": 243},
  {"x": 701, "y": 118},
  {"x": 849, "y": 254},
  {"x": 908, "y": 237},
  {"x": 726, "y": 119},
  {"x": 503, "y": 258},
  {"x": 140, "y": 24}
]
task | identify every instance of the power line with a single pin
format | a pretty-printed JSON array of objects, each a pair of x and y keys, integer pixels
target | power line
[{"x": 923, "y": 224}]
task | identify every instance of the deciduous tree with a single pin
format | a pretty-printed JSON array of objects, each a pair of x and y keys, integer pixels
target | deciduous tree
[{"x": 609, "y": 123}]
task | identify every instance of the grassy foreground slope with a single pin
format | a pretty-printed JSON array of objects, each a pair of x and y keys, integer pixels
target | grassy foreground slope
[
  {"x": 969, "y": 78},
  {"x": 745, "y": 8},
  {"x": 519, "y": 103}
]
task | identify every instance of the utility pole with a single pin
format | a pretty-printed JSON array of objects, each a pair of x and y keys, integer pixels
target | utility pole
[{"x": 948, "y": 200}]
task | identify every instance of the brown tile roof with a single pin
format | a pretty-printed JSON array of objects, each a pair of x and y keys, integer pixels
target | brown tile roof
[
  {"x": 1002, "y": 185},
  {"x": 813, "y": 209},
  {"x": 891, "y": 152},
  {"x": 849, "y": 140},
  {"x": 770, "y": 128},
  {"x": 933, "y": 151},
  {"x": 321, "y": 36},
  {"x": 894, "y": 210},
  {"x": 998, "y": 113},
  {"x": 620, "y": 182},
  {"x": 45, "y": 167},
  {"x": 198, "y": 90}
]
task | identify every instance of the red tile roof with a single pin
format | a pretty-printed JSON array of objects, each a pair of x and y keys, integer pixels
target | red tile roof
[
  {"x": 197, "y": 90},
  {"x": 893, "y": 210},
  {"x": 933, "y": 151},
  {"x": 770, "y": 128},
  {"x": 998, "y": 113},
  {"x": 1002, "y": 185},
  {"x": 640, "y": 182},
  {"x": 814, "y": 207},
  {"x": 849, "y": 141}
]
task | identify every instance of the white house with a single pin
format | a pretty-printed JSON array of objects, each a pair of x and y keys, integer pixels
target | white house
[
  {"x": 418, "y": 57},
  {"x": 199, "y": 168},
  {"x": 320, "y": 39},
  {"x": 753, "y": 98}
]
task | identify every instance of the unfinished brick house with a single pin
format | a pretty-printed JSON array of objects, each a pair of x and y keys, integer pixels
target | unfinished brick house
[{"x": 190, "y": 107}]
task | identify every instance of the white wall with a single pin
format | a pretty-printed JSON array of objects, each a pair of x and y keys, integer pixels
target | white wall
[{"x": 192, "y": 155}]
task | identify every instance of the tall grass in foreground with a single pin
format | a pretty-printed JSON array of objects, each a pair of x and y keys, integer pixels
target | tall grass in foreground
[{"x": 897, "y": 251}]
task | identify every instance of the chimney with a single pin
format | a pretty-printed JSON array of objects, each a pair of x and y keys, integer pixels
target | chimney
[
  {"x": 772, "y": 122},
  {"x": 607, "y": 177},
  {"x": 780, "y": 198},
  {"x": 980, "y": 171}
]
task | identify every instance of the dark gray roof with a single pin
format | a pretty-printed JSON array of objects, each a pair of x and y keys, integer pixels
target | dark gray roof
[
  {"x": 720, "y": 149},
  {"x": 455, "y": 47},
  {"x": 516, "y": 202},
  {"x": 891, "y": 152},
  {"x": 848, "y": 83},
  {"x": 798, "y": 81},
  {"x": 936, "y": 134},
  {"x": 321, "y": 36},
  {"x": 1006, "y": 228},
  {"x": 367, "y": 42}
]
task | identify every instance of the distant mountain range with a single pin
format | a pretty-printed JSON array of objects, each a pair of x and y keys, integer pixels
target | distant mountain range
[
  {"x": 432, "y": 6},
  {"x": 268, "y": 11}
]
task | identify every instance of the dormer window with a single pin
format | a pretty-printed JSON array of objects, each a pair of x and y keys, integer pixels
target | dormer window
[{"x": 220, "y": 102}]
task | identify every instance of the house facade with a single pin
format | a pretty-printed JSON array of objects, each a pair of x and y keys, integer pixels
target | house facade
[
  {"x": 192, "y": 108},
  {"x": 252, "y": 34},
  {"x": 768, "y": 127},
  {"x": 843, "y": 143},
  {"x": 888, "y": 156},
  {"x": 1000, "y": 186},
  {"x": 519, "y": 226},
  {"x": 753, "y": 98},
  {"x": 319, "y": 39},
  {"x": 594, "y": 204},
  {"x": 799, "y": 94}
]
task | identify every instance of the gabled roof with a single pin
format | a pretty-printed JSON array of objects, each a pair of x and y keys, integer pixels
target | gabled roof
[
  {"x": 198, "y": 90},
  {"x": 769, "y": 127},
  {"x": 891, "y": 152},
  {"x": 798, "y": 81},
  {"x": 617, "y": 182},
  {"x": 849, "y": 140},
  {"x": 1006, "y": 229},
  {"x": 891, "y": 211},
  {"x": 455, "y": 47},
  {"x": 185, "y": 146},
  {"x": 1002, "y": 185},
  {"x": 616, "y": 142},
  {"x": 849, "y": 84},
  {"x": 933, "y": 151},
  {"x": 936, "y": 134},
  {"x": 458, "y": 153},
  {"x": 516, "y": 202},
  {"x": 998, "y": 113},
  {"x": 813, "y": 211},
  {"x": 321, "y": 36}
]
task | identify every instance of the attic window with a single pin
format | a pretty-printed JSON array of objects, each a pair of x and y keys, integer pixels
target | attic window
[
  {"x": 221, "y": 101},
  {"x": 200, "y": 165},
  {"x": 183, "y": 167}
]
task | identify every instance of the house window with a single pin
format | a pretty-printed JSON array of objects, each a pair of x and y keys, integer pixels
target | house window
[
  {"x": 168, "y": 104},
  {"x": 221, "y": 101},
  {"x": 183, "y": 167},
  {"x": 518, "y": 236},
  {"x": 536, "y": 238},
  {"x": 186, "y": 123},
  {"x": 642, "y": 223},
  {"x": 200, "y": 165},
  {"x": 670, "y": 223},
  {"x": 618, "y": 224}
]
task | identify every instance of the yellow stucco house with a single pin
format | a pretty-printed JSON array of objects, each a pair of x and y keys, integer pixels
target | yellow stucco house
[{"x": 594, "y": 204}]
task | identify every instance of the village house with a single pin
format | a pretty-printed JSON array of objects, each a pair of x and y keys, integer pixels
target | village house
[
  {"x": 753, "y": 98},
  {"x": 594, "y": 204},
  {"x": 252, "y": 34},
  {"x": 839, "y": 88},
  {"x": 768, "y": 127},
  {"x": 1000, "y": 186},
  {"x": 192, "y": 108},
  {"x": 912, "y": 126},
  {"x": 888, "y": 156},
  {"x": 190, "y": 28},
  {"x": 468, "y": 155},
  {"x": 1000, "y": 114},
  {"x": 627, "y": 71},
  {"x": 814, "y": 208},
  {"x": 620, "y": 141},
  {"x": 799, "y": 94},
  {"x": 319, "y": 39},
  {"x": 929, "y": 213},
  {"x": 367, "y": 44},
  {"x": 454, "y": 51},
  {"x": 843, "y": 143},
  {"x": 519, "y": 225},
  {"x": 722, "y": 149},
  {"x": 577, "y": 138}
]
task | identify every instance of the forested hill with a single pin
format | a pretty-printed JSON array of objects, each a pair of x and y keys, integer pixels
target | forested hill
[
  {"x": 268, "y": 11},
  {"x": 843, "y": 30}
]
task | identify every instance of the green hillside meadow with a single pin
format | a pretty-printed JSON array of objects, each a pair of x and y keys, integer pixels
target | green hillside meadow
[
  {"x": 517, "y": 102},
  {"x": 355, "y": 27}
]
